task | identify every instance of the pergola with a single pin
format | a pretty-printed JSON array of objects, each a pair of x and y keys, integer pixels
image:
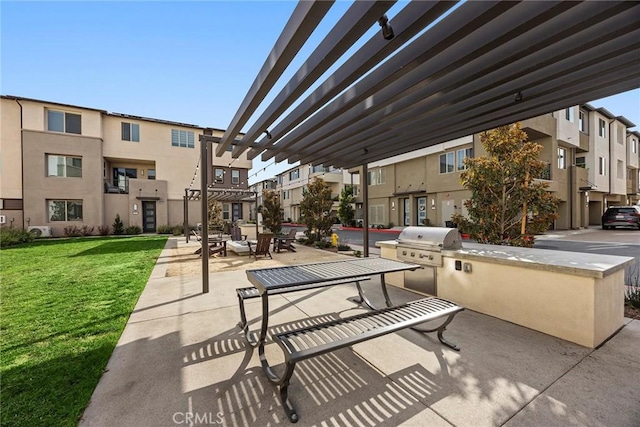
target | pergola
[
  {"x": 435, "y": 71},
  {"x": 217, "y": 194}
]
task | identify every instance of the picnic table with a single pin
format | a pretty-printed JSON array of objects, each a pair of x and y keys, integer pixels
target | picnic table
[{"x": 305, "y": 343}]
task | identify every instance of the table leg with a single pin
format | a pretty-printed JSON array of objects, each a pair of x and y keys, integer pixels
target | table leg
[
  {"x": 263, "y": 338},
  {"x": 387, "y": 300}
]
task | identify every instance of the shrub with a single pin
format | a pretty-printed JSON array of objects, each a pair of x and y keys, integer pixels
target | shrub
[
  {"x": 71, "y": 231},
  {"x": 165, "y": 229},
  {"x": 118, "y": 226},
  {"x": 391, "y": 225},
  {"x": 357, "y": 254},
  {"x": 132, "y": 229},
  {"x": 178, "y": 230},
  {"x": 321, "y": 244},
  {"x": 344, "y": 247},
  {"x": 103, "y": 230},
  {"x": 10, "y": 236},
  {"x": 632, "y": 295},
  {"x": 85, "y": 230}
]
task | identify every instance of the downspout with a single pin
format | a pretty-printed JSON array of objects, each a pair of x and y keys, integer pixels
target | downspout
[
  {"x": 21, "y": 162},
  {"x": 604, "y": 207}
]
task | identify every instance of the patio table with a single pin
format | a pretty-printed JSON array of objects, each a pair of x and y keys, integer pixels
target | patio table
[{"x": 267, "y": 280}]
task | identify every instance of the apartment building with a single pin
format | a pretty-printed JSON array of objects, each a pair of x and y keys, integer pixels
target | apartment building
[
  {"x": 592, "y": 163},
  {"x": 71, "y": 165},
  {"x": 259, "y": 188},
  {"x": 292, "y": 183}
]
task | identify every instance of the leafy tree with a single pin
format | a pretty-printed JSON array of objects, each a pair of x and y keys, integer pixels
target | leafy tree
[
  {"x": 271, "y": 211},
  {"x": 346, "y": 213},
  {"x": 215, "y": 220},
  {"x": 118, "y": 226},
  {"x": 507, "y": 205},
  {"x": 315, "y": 208}
]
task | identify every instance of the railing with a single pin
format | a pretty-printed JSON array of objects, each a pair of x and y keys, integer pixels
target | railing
[
  {"x": 122, "y": 187},
  {"x": 545, "y": 173}
]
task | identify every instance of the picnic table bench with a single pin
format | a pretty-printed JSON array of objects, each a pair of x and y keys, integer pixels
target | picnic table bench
[{"x": 305, "y": 343}]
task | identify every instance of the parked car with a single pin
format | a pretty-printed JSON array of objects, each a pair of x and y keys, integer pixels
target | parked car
[{"x": 621, "y": 216}]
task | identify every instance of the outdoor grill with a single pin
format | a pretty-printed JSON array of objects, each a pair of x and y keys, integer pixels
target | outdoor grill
[{"x": 423, "y": 246}]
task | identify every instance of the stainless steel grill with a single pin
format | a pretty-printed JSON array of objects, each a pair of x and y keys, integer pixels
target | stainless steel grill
[{"x": 423, "y": 246}]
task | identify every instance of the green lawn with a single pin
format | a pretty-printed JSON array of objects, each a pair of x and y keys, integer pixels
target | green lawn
[{"x": 64, "y": 304}]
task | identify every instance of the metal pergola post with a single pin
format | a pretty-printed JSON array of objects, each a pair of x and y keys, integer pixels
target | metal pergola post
[
  {"x": 185, "y": 213},
  {"x": 205, "y": 214},
  {"x": 365, "y": 209}
]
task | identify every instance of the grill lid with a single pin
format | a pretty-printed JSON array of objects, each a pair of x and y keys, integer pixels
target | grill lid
[{"x": 433, "y": 238}]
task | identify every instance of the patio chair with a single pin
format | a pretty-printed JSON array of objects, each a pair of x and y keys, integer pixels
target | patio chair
[
  {"x": 286, "y": 242},
  {"x": 261, "y": 247},
  {"x": 236, "y": 234}
]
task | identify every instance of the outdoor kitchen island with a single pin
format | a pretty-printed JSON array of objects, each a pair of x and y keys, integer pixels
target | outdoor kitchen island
[{"x": 578, "y": 297}]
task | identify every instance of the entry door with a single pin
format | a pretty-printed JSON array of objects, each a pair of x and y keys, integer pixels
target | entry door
[
  {"x": 407, "y": 211},
  {"x": 149, "y": 217},
  {"x": 422, "y": 210}
]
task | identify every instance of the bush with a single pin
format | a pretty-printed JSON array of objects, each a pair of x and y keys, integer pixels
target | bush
[
  {"x": 164, "y": 229},
  {"x": 132, "y": 229},
  {"x": 118, "y": 226},
  {"x": 632, "y": 295},
  {"x": 344, "y": 247},
  {"x": 178, "y": 230},
  {"x": 85, "y": 230},
  {"x": 357, "y": 254},
  {"x": 10, "y": 236},
  {"x": 71, "y": 231},
  {"x": 103, "y": 230}
]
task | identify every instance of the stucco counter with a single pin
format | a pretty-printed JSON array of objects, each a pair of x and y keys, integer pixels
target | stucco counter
[{"x": 575, "y": 296}]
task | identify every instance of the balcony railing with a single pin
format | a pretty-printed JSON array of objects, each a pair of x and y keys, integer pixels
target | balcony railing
[
  {"x": 545, "y": 173},
  {"x": 121, "y": 187}
]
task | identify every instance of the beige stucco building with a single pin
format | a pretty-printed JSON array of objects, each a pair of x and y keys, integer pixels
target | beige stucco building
[
  {"x": 592, "y": 162},
  {"x": 64, "y": 165}
]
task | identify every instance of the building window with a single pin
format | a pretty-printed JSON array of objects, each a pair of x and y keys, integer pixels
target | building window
[
  {"x": 319, "y": 169},
  {"x": 225, "y": 211},
  {"x": 568, "y": 114},
  {"x": 463, "y": 154},
  {"x": 562, "y": 158},
  {"x": 285, "y": 195},
  {"x": 64, "y": 166},
  {"x": 294, "y": 174},
  {"x": 376, "y": 177},
  {"x": 130, "y": 132},
  {"x": 602, "y": 166},
  {"x": 634, "y": 146},
  {"x": 601, "y": 128},
  {"x": 620, "y": 169},
  {"x": 65, "y": 210},
  {"x": 581, "y": 162},
  {"x": 151, "y": 174},
  {"x": 376, "y": 214},
  {"x": 121, "y": 177},
  {"x": 581, "y": 122},
  {"x": 235, "y": 176},
  {"x": 59, "y": 121},
  {"x": 447, "y": 162},
  {"x": 620, "y": 134},
  {"x": 182, "y": 138},
  {"x": 219, "y": 175}
]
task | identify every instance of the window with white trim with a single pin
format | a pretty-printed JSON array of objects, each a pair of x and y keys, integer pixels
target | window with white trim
[
  {"x": 219, "y": 174},
  {"x": 226, "y": 211},
  {"x": 65, "y": 210},
  {"x": 581, "y": 122},
  {"x": 620, "y": 169},
  {"x": 376, "y": 177},
  {"x": 295, "y": 174},
  {"x": 235, "y": 176},
  {"x": 562, "y": 158},
  {"x": 634, "y": 145},
  {"x": 61, "y": 121},
  {"x": 568, "y": 114},
  {"x": 463, "y": 154},
  {"x": 130, "y": 132},
  {"x": 64, "y": 166},
  {"x": 182, "y": 138},
  {"x": 602, "y": 166},
  {"x": 447, "y": 162},
  {"x": 602, "y": 130}
]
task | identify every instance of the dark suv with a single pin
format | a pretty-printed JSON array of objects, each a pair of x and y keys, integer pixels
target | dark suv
[{"x": 621, "y": 216}]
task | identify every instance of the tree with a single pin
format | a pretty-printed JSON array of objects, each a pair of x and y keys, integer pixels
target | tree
[
  {"x": 271, "y": 211},
  {"x": 118, "y": 226},
  {"x": 214, "y": 209},
  {"x": 316, "y": 209},
  {"x": 346, "y": 213},
  {"x": 507, "y": 205}
]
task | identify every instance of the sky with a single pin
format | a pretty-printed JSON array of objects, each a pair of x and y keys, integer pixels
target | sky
[{"x": 189, "y": 62}]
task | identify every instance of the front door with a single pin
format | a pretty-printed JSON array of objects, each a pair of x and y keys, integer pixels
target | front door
[
  {"x": 407, "y": 211},
  {"x": 422, "y": 210},
  {"x": 149, "y": 217}
]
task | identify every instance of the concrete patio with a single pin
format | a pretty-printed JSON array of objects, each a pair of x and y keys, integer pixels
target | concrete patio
[{"x": 182, "y": 361}]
